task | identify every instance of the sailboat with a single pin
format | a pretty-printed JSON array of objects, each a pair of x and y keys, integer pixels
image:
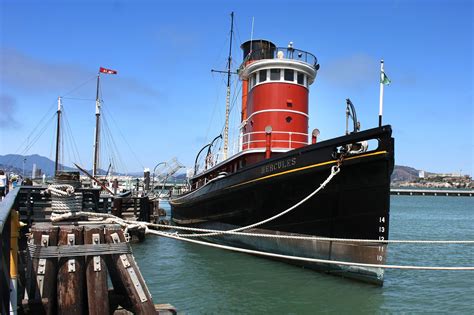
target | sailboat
[
  {"x": 279, "y": 167},
  {"x": 73, "y": 177}
]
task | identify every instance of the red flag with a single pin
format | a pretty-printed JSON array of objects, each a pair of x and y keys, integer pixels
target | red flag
[{"x": 108, "y": 71}]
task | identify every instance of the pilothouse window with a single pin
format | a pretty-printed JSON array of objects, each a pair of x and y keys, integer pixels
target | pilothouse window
[
  {"x": 275, "y": 74},
  {"x": 289, "y": 75},
  {"x": 300, "y": 78},
  {"x": 252, "y": 80},
  {"x": 262, "y": 76}
]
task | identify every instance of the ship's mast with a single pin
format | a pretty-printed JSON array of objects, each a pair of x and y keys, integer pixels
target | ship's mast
[
  {"x": 227, "y": 100},
  {"x": 58, "y": 133},
  {"x": 97, "y": 130}
]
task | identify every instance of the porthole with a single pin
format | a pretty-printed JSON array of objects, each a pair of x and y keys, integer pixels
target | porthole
[{"x": 288, "y": 119}]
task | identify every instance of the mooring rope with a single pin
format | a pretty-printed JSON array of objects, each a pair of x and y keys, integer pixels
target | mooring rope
[
  {"x": 130, "y": 224},
  {"x": 334, "y": 171},
  {"x": 68, "y": 213},
  {"x": 309, "y": 259},
  {"x": 301, "y": 237}
]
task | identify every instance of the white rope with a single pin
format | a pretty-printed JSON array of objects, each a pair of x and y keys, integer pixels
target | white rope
[
  {"x": 64, "y": 198},
  {"x": 334, "y": 171},
  {"x": 301, "y": 237},
  {"x": 109, "y": 218},
  {"x": 129, "y": 225},
  {"x": 308, "y": 259}
]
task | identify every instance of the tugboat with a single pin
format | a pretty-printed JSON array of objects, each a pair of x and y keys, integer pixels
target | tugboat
[{"x": 279, "y": 164}]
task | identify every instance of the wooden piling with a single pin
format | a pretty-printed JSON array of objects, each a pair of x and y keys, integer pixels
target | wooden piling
[
  {"x": 126, "y": 278},
  {"x": 41, "y": 273},
  {"x": 96, "y": 273},
  {"x": 117, "y": 207},
  {"x": 71, "y": 296},
  {"x": 63, "y": 280}
]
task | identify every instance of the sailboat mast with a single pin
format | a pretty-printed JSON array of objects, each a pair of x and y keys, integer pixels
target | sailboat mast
[
  {"x": 97, "y": 130},
  {"x": 58, "y": 134},
  {"x": 227, "y": 101}
]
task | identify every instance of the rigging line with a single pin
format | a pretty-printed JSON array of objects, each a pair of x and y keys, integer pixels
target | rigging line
[
  {"x": 105, "y": 140},
  {"x": 77, "y": 99},
  {"x": 41, "y": 121},
  {"x": 38, "y": 135},
  {"x": 216, "y": 104},
  {"x": 70, "y": 137},
  {"x": 113, "y": 144},
  {"x": 80, "y": 85},
  {"x": 251, "y": 33},
  {"x": 112, "y": 147},
  {"x": 237, "y": 32},
  {"x": 236, "y": 94},
  {"x": 52, "y": 144},
  {"x": 232, "y": 105},
  {"x": 74, "y": 142},
  {"x": 120, "y": 133},
  {"x": 235, "y": 116},
  {"x": 33, "y": 142},
  {"x": 123, "y": 137}
]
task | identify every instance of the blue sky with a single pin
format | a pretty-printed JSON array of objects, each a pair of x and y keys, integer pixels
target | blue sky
[{"x": 165, "y": 101}]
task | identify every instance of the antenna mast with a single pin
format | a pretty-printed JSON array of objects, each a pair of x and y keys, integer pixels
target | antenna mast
[{"x": 227, "y": 101}]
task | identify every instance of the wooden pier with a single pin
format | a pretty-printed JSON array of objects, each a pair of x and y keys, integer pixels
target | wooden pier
[
  {"x": 64, "y": 267},
  {"x": 431, "y": 192}
]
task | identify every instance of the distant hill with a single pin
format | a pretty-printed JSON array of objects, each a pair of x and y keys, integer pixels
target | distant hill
[
  {"x": 404, "y": 173},
  {"x": 14, "y": 163}
]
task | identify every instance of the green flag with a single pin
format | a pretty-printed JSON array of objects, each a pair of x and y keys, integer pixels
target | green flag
[{"x": 384, "y": 79}]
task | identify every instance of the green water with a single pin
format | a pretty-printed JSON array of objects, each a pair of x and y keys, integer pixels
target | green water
[{"x": 203, "y": 280}]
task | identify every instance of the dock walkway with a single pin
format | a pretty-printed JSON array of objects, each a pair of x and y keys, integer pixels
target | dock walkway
[{"x": 432, "y": 192}]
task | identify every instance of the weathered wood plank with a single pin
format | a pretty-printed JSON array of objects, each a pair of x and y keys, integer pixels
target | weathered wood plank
[
  {"x": 96, "y": 273},
  {"x": 71, "y": 295},
  {"x": 126, "y": 276},
  {"x": 41, "y": 273}
]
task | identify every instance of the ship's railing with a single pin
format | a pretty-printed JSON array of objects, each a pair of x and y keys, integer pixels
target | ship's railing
[
  {"x": 281, "y": 53},
  {"x": 279, "y": 139}
]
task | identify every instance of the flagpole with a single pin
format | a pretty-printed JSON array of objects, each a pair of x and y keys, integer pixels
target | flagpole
[
  {"x": 58, "y": 135},
  {"x": 381, "y": 92},
  {"x": 97, "y": 129}
]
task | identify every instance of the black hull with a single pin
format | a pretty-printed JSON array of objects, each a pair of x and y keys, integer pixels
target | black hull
[{"x": 354, "y": 205}]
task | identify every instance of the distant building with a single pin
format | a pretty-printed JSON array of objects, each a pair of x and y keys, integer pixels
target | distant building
[
  {"x": 421, "y": 174},
  {"x": 33, "y": 172},
  {"x": 36, "y": 172}
]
